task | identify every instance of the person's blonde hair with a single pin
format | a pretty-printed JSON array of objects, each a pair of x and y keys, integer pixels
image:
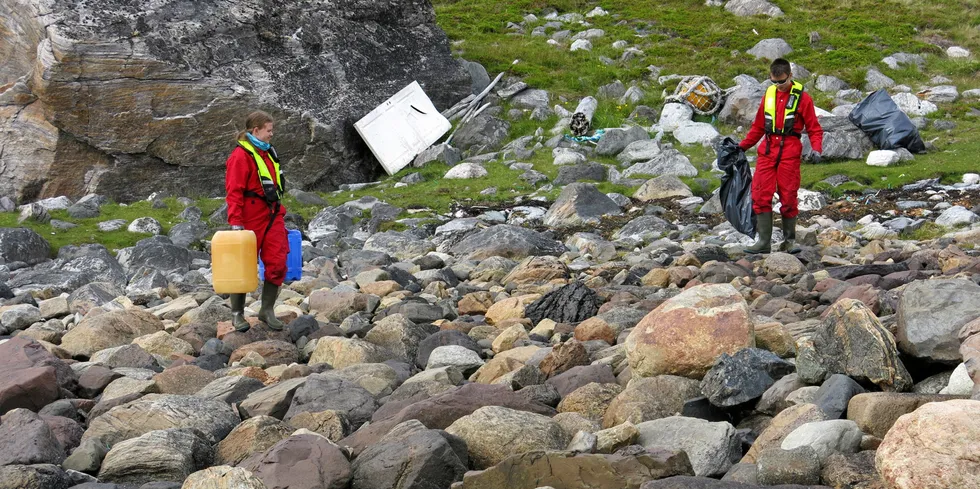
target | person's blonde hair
[{"x": 255, "y": 120}]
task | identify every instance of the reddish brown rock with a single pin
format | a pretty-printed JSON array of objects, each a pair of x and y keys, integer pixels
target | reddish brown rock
[
  {"x": 564, "y": 357},
  {"x": 275, "y": 352},
  {"x": 595, "y": 329},
  {"x": 184, "y": 380},
  {"x": 30, "y": 376}
]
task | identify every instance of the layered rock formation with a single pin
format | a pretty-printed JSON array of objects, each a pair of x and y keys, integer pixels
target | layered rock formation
[{"x": 125, "y": 98}]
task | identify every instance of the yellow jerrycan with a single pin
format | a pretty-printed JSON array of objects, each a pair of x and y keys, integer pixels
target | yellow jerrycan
[{"x": 234, "y": 262}]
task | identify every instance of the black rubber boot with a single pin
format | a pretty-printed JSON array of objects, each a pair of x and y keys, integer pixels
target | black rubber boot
[
  {"x": 764, "y": 228},
  {"x": 238, "y": 312},
  {"x": 267, "y": 314},
  {"x": 789, "y": 236}
]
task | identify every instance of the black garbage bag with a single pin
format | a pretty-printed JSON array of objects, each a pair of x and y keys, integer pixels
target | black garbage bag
[
  {"x": 736, "y": 186},
  {"x": 886, "y": 124}
]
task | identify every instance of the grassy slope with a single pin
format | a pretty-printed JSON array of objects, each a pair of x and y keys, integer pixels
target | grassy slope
[
  {"x": 680, "y": 36},
  {"x": 689, "y": 38}
]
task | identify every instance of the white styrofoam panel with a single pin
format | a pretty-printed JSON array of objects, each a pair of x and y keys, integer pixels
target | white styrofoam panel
[{"x": 402, "y": 127}]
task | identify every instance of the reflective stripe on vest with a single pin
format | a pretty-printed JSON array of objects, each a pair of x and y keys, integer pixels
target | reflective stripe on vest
[
  {"x": 789, "y": 114},
  {"x": 265, "y": 178}
]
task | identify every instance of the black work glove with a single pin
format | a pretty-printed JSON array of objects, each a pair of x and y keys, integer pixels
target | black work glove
[{"x": 815, "y": 157}]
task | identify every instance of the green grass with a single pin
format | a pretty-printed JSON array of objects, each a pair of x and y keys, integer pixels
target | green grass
[{"x": 87, "y": 230}]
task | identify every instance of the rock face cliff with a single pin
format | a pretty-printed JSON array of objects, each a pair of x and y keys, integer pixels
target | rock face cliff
[{"x": 129, "y": 97}]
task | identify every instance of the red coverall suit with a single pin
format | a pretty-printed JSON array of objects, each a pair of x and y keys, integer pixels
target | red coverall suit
[
  {"x": 241, "y": 175},
  {"x": 783, "y": 175}
]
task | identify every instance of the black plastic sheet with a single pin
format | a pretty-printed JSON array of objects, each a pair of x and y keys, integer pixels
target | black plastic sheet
[
  {"x": 888, "y": 127},
  {"x": 736, "y": 186}
]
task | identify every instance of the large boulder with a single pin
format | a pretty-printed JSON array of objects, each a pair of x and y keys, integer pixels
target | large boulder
[
  {"x": 507, "y": 241},
  {"x": 189, "y": 70},
  {"x": 493, "y": 433},
  {"x": 161, "y": 455},
  {"x": 686, "y": 335},
  {"x": 302, "y": 460},
  {"x": 30, "y": 376},
  {"x": 931, "y": 314},
  {"x": 568, "y": 470},
  {"x": 108, "y": 330},
  {"x": 27, "y": 439},
  {"x": 22, "y": 244},
  {"x": 580, "y": 204},
  {"x": 214, "y": 419},
  {"x": 933, "y": 447},
  {"x": 322, "y": 392},
  {"x": 410, "y": 457},
  {"x": 744, "y": 376},
  {"x": 852, "y": 341},
  {"x": 649, "y": 398},
  {"x": 711, "y": 447}
]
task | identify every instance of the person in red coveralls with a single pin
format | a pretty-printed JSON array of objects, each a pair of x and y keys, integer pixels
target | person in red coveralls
[
  {"x": 785, "y": 112},
  {"x": 254, "y": 190}
]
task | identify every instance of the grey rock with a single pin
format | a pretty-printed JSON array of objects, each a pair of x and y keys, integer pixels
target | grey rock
[
  {"x": 507, "y": 241},
  {"x": 777, "y": 466},
  {"x": 826, "y": 437},
  {"x": 744, "y": 376},
  {"x": 711, "y": 447},
  {"x": 485, "y": 132},
  {"x": 156, "y": 253},
  {"x": 578, "y": 204},
  {"x": 185, "y": 234},
  {"x": 232, "y": 389},
  {"x": 571, "y": 303},
  {"x": 835, "y": 393},
  {"x": 749, "y": 8},
  {"x": 411, "y": 456},
  {"x": 479, "y": 78},
  {"x": 643, "y": 228},
  {"x": 831, "y": 84},
  {"x": 214, "y": 419},
  {"x": 112, "y": 225},
  {"x": 145, "y": 225},
  {"x": 957, "y": 215},
  {"x": 440, "y": 152},
  {"x": 742, "y": 104},
  {"x": 770, "y": 49},
  {"x": 322, "y": 392},
  {"x": 531, "y": 99},
  {"x": 616, "y": 140},
  {"x": 662, "y": 187},
  {"x": 930, "y": 315},
  {"x": 876, "y": 80},
  {"x": 668, "y": 162},
  {"x": 613, "y": 90},
  {"x": 575, "y": 173},
  {"x": 642, "y": 150},
  {"x": 23, "y": 245},
  {"x": 198, "y": 93},
  {"x": 443, "y": 338},
  {"x": 842, "y": 139},
  {"x": 84, "y": 210},
  {"x": 274, "y": 400},
  {"x": 168, "y": 455}
]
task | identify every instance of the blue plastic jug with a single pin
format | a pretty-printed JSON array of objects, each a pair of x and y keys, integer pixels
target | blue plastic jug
[{"x": 294, "y": 260}]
